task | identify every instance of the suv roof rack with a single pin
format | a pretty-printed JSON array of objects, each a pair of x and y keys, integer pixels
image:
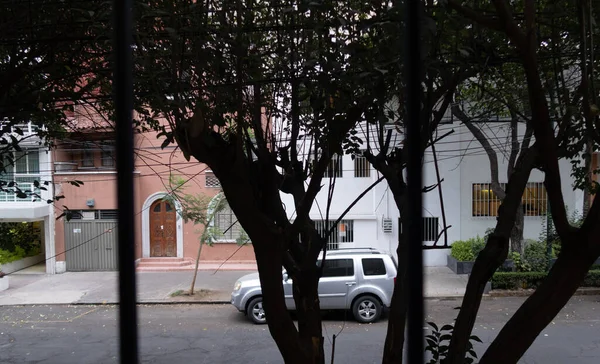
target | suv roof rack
[{"x": 353, "y": 250}]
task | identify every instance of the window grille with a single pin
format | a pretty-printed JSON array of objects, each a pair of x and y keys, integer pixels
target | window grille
[
  {"x": 211, "y": 180},
  {"x": 342, "y": 233},
  {"x": 362, "y": 168},
  {"x": 334, "y": 169},
  {"x": 486, "y": 202},
  {"x": 226, "y": 223},
  {"x": 430, "y": 226}
]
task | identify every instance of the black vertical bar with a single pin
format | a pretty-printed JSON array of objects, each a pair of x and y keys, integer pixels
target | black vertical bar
[
  {"x": 123, "y": 98},
  {"x": 414, "y": 181}
]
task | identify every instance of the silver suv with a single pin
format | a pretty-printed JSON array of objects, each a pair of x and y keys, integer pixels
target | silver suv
[{"x": 357, "y": 279}]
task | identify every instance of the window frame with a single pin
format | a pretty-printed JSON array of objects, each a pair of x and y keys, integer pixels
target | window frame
[
  {"x": 88, "y": 156},
  {"x": 335, "y": 168},
  {"x": 351, "y": 269},
  {"x": 107, "y": 154},
  {"x": 11, "y": 175},
  {"x": 361, "y": 164},
  {"x": 362, "y": 261},
  {"x": 489, "y": 204}
]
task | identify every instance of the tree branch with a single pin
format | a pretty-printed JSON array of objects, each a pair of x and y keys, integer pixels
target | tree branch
[
  {"x": 476, "y": 17},
  {"x": 489, "y": 150}
]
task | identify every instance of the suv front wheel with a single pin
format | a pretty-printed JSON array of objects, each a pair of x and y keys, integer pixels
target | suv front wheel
[
  {"x": 366, "y": 309},
  {"x": 256, "y": 312}
]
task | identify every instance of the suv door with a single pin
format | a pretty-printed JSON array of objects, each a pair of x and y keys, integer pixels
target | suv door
[{"x": 338, "y": 279}]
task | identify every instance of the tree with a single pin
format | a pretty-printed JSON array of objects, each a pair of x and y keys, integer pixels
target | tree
[
  {"x": 498, "y": 96},
  {"x": 580, "y": 247},
  {"x": 243, "y": 87},
  {"x": 47, "y": 50},
  {"x": 450, "y": 56},
  {"x": 198, "y": 209}
]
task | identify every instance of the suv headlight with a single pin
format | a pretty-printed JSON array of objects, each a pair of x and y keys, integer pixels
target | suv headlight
[{"x": 237, "y": 286}]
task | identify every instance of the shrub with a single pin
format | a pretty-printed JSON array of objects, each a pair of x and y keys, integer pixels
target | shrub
[
  {"x": 467, "y": 250},
  {"x": 8, "y": 256},
  {"x": 519, "y": 264},
  {"x": 517, "y": 280},
  {"x": 535, "y": 256},
  {"x": 461, "y": 250}
]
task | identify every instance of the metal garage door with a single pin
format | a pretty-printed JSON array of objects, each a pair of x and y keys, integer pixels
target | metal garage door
[{"x": 91, "y": 245}]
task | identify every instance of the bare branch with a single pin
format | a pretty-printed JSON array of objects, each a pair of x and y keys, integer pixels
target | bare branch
[{"x": 476, "y": 17}]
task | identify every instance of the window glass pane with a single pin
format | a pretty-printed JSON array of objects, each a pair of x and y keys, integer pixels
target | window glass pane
[
  {"x": 107, "y": 158},
  {"x": 87, "y": 156},
  {"x": 227, "y": 225},
  {"x": 338, "y": 268},
  {"x": 373, "y": 267},
  {"x": 157, "y": 207},
  {"x": 20, "y": 162},
  {"x": 168, "y": 207},
  {"x": 33, "y": 161}
]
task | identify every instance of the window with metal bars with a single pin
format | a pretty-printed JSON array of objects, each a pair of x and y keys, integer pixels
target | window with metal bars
[
  {"x": 362, "y": 168},
  {"x": 431, "y": 228},
  {"x": 342, "y": 233},
  {"x": 211, "y": 181},
  {"x": 486, "y": 202},
  {"x": 229, "y": 229},
  {"x": 334, "y": 169},
  {"x": 94, "y": 214}
]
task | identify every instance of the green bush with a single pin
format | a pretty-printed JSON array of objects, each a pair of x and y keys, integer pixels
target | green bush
[
  {"x": 8, "y": 256},
  {"x": 535, "y": 256},
  {"x": 462, "y": 251},
  {"x": 467, "y": 250},
  {"x": 517, "y": 280}
]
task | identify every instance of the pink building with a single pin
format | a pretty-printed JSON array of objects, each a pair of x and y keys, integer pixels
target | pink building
[{"x": 89, "y": 240}]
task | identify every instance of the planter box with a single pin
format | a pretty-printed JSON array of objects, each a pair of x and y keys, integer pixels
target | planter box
[
  {"x": 22, "y": 263},
  {"x": 460, "y": 267},
  {"x": 3, "y": 284}
]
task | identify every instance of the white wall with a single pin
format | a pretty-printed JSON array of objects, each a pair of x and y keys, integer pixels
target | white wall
[{"x": 462, "y": 161}]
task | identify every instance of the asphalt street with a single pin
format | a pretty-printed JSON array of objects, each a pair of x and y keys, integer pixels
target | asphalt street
[{"x": 219, "y": 334}]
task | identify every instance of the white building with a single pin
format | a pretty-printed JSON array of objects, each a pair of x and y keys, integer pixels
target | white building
[
  {"x": 470, "y": 209},
  {"x": 32, "y": 163}
]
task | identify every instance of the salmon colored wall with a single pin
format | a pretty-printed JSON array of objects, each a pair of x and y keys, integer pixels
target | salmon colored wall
[
  {"x": 221, "y": 252},
  {"x": 153, "y": 167}
]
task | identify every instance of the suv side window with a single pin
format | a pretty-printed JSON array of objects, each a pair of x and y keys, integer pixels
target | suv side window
[
  {"x": 373, "y": 267},
  {"x": 338, "y": 268}
]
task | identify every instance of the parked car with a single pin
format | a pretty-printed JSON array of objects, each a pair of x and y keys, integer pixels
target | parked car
[{"x": 361, "y": 280}]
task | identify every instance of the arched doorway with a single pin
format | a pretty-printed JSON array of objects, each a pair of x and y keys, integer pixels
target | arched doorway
[{"x": 163, "y": 232}]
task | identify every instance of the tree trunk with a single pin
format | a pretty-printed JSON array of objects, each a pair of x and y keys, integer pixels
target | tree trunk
[
  {"x": 394, "y": 340},
  {"x": 516, "y": 235},
  {"x": 306, "y": 297},
  {"x": 490, "y": 258},
  {"x": 541, "y": 307},
  {"x": 281, "y": 326},
  {"x": 196, "y": 269},
  {"x": 486, "y": 264}
]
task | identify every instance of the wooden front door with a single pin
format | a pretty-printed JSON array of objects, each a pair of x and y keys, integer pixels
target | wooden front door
[{"x": 163, "y": 232}]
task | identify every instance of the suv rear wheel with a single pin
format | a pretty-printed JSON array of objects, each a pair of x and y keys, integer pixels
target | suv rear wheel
[
  {"x": 366, "y": 309},
  {"x": 256, "y": 312}
]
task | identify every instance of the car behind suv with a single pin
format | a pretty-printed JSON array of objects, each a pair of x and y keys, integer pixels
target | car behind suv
[{"x": 361, "y": 280}]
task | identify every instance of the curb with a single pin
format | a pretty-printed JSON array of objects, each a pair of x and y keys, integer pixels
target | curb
[
  {"x": 588, "y": 291},
  {"x": 139, "y": 303}
]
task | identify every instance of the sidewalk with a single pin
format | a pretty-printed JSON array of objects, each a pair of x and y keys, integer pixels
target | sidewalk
[{"x": 32, "y": 287}]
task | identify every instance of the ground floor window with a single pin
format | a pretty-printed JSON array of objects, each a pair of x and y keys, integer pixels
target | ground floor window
[
  {"x": 486, "y": 202},
  {"x": 343, "y": 232}
]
